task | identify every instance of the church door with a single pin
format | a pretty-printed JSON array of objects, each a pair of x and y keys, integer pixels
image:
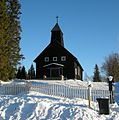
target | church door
[{"x": 54, "y": 72}]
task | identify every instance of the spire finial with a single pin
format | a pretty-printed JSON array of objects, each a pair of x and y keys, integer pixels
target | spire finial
[{"x": 57, "y": 18}]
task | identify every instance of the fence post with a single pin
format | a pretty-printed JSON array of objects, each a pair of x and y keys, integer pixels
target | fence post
[
  {"x": 111, "y": 88},
  {"x": 89, "y": 93}
]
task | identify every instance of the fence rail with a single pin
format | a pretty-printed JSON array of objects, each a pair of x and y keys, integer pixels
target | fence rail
[
  {"x": 68, "y": 91},
  {"x": 61, "y": 90},
  {"x": 13, "y": 89}
]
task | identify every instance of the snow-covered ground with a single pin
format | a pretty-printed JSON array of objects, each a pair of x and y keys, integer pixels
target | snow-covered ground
[
  {"x": 76, "y": 83},
  {"x": 37, "y": 106}
]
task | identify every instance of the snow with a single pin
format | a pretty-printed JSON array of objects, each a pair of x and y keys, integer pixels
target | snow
[
  {"x": 75, "y": 83},
  {"x": 37, "y": 106}
]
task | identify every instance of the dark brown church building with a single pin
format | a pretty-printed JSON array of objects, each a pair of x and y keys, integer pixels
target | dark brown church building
[{"x": 55, "y": 61}]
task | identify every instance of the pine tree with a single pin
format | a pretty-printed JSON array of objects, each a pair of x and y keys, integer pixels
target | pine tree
[
  {"x": 14, "y": 32},
  {"x": 4, "y": 37},
  {"x": 96, "y": 77},
  {"x": 31, "y": 72},
  {"x": 18, "y": 75},
  {"x": 23, "y": 73},
  {"x": 9, "y": 38}
]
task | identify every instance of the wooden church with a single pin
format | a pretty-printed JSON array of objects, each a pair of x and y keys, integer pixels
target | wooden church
[{"x": 55, "y": 61}]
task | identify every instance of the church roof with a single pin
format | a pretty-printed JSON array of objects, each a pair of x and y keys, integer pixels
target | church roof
[
  {"x": 56, "y": 28},
  {"x": 57, "y": 35},
  {"x": 61, "y": 47}
]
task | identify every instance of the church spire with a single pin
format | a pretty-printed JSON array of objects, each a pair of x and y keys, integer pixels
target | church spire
[
  {"x": 56, "y": 34},
  {"x": 57, "y": 18}
]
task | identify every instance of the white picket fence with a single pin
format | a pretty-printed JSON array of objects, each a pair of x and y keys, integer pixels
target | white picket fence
[
  {"x": 14, "y": 89},
  {"x": 68, "y": 91},
  {"x": 61, "y": 90}
]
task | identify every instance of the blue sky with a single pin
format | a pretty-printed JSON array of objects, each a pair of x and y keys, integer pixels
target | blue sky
[{"x": 90, "y": 27}]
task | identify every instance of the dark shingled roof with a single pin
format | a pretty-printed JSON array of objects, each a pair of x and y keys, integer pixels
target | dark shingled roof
[
  {"x": 56, "y": 28},
  {"x": 53, "y": 44}
]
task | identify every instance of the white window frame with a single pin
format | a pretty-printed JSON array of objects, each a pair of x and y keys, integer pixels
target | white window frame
[
  {"x": 46, "y": 59},
  {"x": 54, "y": 58},
  {"x": 76, "y": 71},
  {"x": 79, "y": 71},
  {"x": 63, "y": 58}
]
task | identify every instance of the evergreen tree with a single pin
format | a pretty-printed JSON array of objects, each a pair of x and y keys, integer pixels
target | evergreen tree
[
  {"x": 14, "y": 32},
  {"x": 96, "y": 77},
  {"x": 31, "y": 72},
  {"x": 23, "y": 73},
  {"x": 18, "y": 75},
  {"x": 9, "y": 38},
  {"x": 4, "y": 37}
]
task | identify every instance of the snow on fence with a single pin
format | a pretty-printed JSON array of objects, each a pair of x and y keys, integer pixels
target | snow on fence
[
  {"x": 13, "y": 89},
  {"x": 68, "y": 91}
]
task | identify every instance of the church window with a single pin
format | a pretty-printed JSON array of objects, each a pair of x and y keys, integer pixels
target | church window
[
  {"x": 76, "y": 71},
  {"x": 63, "y": 58},
  {"x": 46, "y": 59},
  {"x": 54, "y": 58},
  {"x": 79, "y": 71}
]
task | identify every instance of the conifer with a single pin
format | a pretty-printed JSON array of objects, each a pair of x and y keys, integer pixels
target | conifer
[
  {"x": 96, "y": 77},
  {"x": 9, "y": 38}
]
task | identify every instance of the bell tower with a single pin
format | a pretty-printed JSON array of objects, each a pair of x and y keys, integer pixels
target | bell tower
[{"x": 57, "y": 34}]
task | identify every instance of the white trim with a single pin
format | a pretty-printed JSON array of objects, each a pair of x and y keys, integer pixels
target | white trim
[
  {"x": 53, "y": 64},
  {"x": 63, "y": 58},
  {"x": 46, "y": 59},
  {"x": 54, "y": 58}
]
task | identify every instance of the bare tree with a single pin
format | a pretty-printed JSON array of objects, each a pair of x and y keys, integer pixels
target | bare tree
[{"x": 111, "y": 66}]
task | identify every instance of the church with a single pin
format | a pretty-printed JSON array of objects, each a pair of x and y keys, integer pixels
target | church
[{"x": 55, "y": 62}]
